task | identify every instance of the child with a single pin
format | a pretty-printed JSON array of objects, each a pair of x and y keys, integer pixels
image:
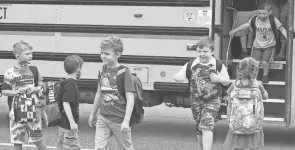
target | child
[
  {"x": 246, "y": 76},
  {"x": 20, "y": 80},
  {"x": 265, "y": 38},
  {"x": 68, "y": 126},
  {"x": 205, "y": 89},
  {"x": 115, "y": 111}
]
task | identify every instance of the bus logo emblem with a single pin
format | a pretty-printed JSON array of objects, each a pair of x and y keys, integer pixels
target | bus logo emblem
[{"x": 189, "y": 16}]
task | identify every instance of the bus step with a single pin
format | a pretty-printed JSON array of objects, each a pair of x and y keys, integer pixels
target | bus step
[{"x": 268, "y": 119}]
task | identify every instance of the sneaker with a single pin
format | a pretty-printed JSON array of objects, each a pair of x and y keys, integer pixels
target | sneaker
[{"x": 265, "y": 79}]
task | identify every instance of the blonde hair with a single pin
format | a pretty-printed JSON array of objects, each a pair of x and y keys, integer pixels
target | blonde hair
[
  {"x": 205, "y": 42},
  {"x": 112, "y": 42},
  {"x": 247, "y": 68},
  {"x": 21, "y": 46}
]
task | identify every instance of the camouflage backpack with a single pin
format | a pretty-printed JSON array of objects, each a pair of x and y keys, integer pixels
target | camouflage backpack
[{"x": 247, "y": 112}]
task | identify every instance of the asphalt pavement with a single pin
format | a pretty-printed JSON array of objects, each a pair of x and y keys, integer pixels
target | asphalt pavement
[{"x": 163, "y": 128}]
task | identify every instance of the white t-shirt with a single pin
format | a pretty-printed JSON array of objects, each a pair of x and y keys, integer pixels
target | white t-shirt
[
  {"x": 181, "y": 75},
  {"x": 264, "y": 35}
]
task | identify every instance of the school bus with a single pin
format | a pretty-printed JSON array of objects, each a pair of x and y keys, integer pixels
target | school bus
[{"x": 157, "y": 36}]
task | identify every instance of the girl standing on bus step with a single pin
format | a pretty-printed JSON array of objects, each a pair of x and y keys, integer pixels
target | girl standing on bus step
[{"x": 246, "y": 77}]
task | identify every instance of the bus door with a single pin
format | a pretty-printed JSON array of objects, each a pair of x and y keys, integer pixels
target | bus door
[{"x": 290, "y": 78}]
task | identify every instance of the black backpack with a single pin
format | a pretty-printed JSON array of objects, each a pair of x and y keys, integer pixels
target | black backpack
[
  {"x": 138, "y": 110},
  {"x": 272, "y": 24},
  {"x": 52, "y": 94}
]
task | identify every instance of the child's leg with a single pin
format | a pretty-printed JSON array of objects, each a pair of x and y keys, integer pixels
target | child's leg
[
  {"x": 40, "y": 145},
  {"x": 268, "y": 56},
  {"x": 207, "y": 139},
  {"x": 17, "y": 132},
  {"x": 200, "y": 141},
  {"x": 34, "y": 130},
  {"x": 207, "y": 122},
  {"x": 68, "y": 139},
  {"x": 123, "y": 139},
  {"x": 102, "y": 134},
  {"x": 196, "y": 110},
  {"x": 18, "y": 146}
]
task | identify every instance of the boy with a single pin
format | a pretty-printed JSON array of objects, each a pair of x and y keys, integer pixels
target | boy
[
  {"x": 68, "y": 126},
  {"x": 20, "y": 80},
  {"x": 115, "y": 111},
  {"x": 205, "y": 89},
  {"x": 265, "y": 39}
]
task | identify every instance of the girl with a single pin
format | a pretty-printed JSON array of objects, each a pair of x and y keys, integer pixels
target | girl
[{"x": 246, "y": 76}]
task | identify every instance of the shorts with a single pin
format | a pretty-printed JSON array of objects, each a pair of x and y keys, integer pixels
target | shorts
[
  {"x": 19, "y": 131},
  {"x": 263, "y": 54},
  {"x": 205, "y": 115},
  {"x": 68, "y": 139}
]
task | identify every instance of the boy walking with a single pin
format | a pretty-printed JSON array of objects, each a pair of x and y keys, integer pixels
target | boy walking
[
  {"x": 68, "y": 126},
  {"x": 19, "y": 80},
  {"x": 205, "y": 90},
  {"x": 115, "y": 110},
  {"x": 265, "y": 36}
]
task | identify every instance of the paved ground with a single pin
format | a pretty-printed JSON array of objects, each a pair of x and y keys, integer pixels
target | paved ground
[{"x": 163, "y": 129}]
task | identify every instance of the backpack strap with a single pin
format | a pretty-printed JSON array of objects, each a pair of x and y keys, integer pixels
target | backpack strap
[
  {"x": 218, "y": 65},
  {"x": 121, "y": 80},
  {"x": 189, "y": 69},
  {"x": 253, "y": 26},
  {"x": 35, "y": 72}
]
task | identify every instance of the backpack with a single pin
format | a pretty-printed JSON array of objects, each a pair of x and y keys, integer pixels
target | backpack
[
  {"x": 24, "y": 108},
  {"x": 247, "y": 112},
  {"x": 52, "y": 92},
  {"x": 138, "y": 110},
  {"x": 272, "y": 24},
  {"x": 24, "y": 105}
]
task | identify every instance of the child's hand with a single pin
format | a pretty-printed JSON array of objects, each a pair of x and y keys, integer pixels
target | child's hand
[
  {"x": 125, "y": 126},
  {"x": 74, "y": 126},
  {"x": 20, "y": 91},
  {"x": 215, "y": 78},
  {"x": 232, "y": 33}
]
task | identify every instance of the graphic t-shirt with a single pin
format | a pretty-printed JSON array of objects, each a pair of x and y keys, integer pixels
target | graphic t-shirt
[
  {"x": 112, "y": 105},
  {"x": 70, "y": 94},
  {"x": 264, "y": 33},
  {"x": 17, "y": 78}
]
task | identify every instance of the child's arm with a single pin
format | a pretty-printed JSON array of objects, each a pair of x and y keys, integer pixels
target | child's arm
[
  {"x": 96, "y": 100},
  {"x": 129, "y": 89},
  {"x": 244, "y": 26},
  {"x": 280, "y": 27},
  {"x": 69, "y": 114},
  {"x": 263, "y": 92},
  {"x": 6, "y": 87},
  {"x": 221, "y": 77},
  {"x": 67, "y": 98},
  {"x": 181, "y": 75},
  {"x": 38, "y": 88},
  {"x": 95, "y": 106}
]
